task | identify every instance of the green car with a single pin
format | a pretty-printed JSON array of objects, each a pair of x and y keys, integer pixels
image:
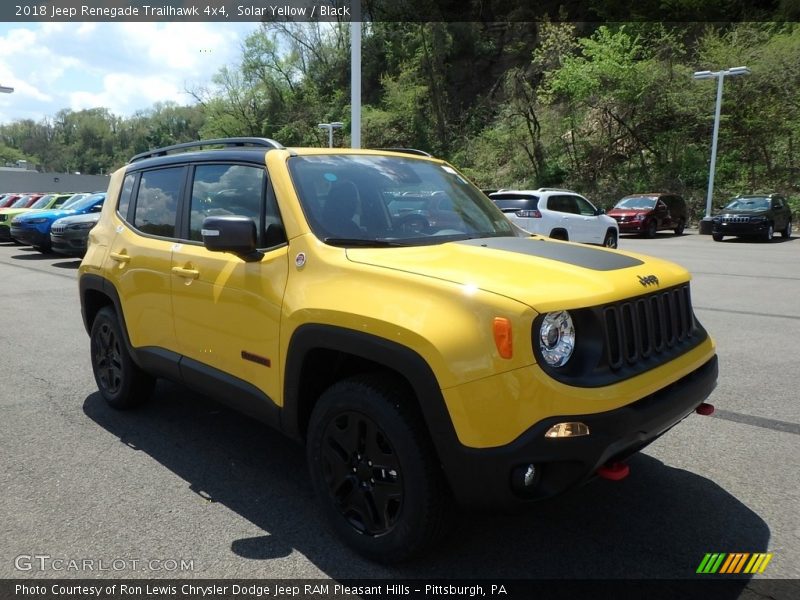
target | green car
[{"x": 45, "y": 202}]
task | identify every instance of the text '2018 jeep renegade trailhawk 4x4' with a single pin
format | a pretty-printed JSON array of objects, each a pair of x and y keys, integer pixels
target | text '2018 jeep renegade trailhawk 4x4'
[{"x": 471, "y": 362}]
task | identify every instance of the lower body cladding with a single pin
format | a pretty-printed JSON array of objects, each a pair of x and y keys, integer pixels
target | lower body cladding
[
  {"x": 535, "y": 466},
  {"x": 29, "y": 236}
]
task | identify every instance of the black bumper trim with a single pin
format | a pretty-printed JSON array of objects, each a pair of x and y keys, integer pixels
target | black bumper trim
[{"x": 482, "y": 477}]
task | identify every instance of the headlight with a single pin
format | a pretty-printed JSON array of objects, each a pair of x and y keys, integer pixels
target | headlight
[
  {"x": 88, "y": 225},
  {"x": 640, "y": 217},
  {"x": 556, "y": 338},
  {"x": 758, "y": 219},
  {"x": 36, "y": 221}
]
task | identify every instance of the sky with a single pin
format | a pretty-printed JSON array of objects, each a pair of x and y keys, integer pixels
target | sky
[{"x": 124, "y": 67}]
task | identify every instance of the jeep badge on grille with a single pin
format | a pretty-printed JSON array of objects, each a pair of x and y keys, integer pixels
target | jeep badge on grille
[{"x": 648, "y": 280}]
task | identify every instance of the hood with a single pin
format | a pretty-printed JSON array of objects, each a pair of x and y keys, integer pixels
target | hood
[
  {"x": 80, "y": 218},
  {"x": 628, "y": 212},
  {"x": 542, "y": 273},
  {"x": 49, "y": 214}
]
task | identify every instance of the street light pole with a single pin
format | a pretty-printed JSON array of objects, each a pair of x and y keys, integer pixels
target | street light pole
[
  {"x": 330, "y": 127},
  {"x": 720, "y": 76}
]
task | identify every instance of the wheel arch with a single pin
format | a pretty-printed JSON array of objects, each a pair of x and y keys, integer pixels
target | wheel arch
[
  {"x": 95, "y": 293},
  {"x": 559, "y": 233},
  {"x": 319, "y": 355}
]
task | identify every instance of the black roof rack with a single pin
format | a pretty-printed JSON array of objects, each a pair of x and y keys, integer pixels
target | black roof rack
[
  {"x": 407, "y": 151},
  {"x": 235, "y": 142}
]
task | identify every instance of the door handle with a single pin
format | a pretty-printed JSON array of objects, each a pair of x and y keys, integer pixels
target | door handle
[
  {"x": 121, "y": 257},
  {"x": 187, "y": 273}
]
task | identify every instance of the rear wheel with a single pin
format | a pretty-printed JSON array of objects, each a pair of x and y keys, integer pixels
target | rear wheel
[
  {"x": 375, "y": 471},
  {"x": 120, "y": 381},
  {"x": 786, "y": 232}
]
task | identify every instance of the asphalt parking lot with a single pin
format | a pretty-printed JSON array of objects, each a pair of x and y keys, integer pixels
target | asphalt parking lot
[{"x": 183, "y": 480}]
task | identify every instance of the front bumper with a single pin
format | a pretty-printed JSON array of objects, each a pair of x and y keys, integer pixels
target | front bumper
[
  {"x": 732, "y": 228},
  {"x": 631, "y": 226},
  {"x": 483, "y": 477},
  {"x": 29, "y": 236},
  {"x": 71, "y": 243}
]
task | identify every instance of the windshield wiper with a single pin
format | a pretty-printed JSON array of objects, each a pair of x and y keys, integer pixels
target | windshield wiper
[{"x": 361, "y": 242}]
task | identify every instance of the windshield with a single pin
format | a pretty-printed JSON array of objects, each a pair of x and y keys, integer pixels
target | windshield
[
  {"x": 387, "y": 200},
  {"x": 86, "y": 202},
  {"x": 42, "y": 202},
  {"x": 22, "y": 202},
  {"x": 73, "y": 200},
  {"x": 749, "y": 204},
  {"x": 637, "y": 203}
]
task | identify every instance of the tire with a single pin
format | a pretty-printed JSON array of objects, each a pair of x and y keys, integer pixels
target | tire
[
  {"x": 43, "y": 249},
  {"x": 610, "y": 240},
  {"x": 770, "y": 233},
  {"x": 681, "y": 226},
  {"x": 786, "y": 232},
  {"x": 717, "y": 237},
  {"x": 652, "y": 229},
  {"x": 375, "y": 471},
  {"x": 120, "y": 381}
]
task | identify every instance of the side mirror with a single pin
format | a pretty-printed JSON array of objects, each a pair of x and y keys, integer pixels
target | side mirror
[
  {"x": 230, "y": 234},
  {"x": 601, "y": 211}
]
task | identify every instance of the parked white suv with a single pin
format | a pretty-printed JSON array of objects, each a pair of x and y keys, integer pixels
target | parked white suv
[{"x": 559, "y": 214}]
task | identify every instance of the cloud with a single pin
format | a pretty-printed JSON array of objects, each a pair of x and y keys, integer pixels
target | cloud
[{"x": 125, "y": 67}]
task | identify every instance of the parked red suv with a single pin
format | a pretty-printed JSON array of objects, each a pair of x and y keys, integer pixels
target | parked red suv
[{"x": 647, "y": 214}]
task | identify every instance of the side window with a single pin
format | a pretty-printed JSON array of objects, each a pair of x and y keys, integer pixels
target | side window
[
  {"x": 225, "y": 190},
  {"x": 125, "y": 195},
  {"x": 157, "y": 201},
  {"x": 564, "y": 204},
  {"x": 585, "y": 207}
]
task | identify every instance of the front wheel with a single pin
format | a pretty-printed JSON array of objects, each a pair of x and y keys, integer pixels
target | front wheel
[
  {"x": 120, "y": 381},
  {"x": 786, "y": 232},
  {"x": 374, "y": 470},
  {"x": 717, "y": 237},
  {"x": 769, "y": 233},
  {"x": 610, "y": 240},
  {"x": 652, "y": 229}
]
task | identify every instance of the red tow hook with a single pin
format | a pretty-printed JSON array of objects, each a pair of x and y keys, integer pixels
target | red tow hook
[
  {"x": 705, "y": 409},
  {"x": 616, "y": 471}
]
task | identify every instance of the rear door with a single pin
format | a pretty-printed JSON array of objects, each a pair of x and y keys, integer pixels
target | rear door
[{"x": 141, "y": 253}]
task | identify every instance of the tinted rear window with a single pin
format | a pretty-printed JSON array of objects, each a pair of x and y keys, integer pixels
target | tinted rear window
[{"x": 514, "y": 202}]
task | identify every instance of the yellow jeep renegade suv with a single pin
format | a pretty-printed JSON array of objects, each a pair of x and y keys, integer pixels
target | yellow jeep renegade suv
[{"x": 419, "y": 362}]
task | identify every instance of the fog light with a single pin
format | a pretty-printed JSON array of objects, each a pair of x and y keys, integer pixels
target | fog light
[
  {"x": 525, "y": 477},
  {"x": 565, "y": 430}
]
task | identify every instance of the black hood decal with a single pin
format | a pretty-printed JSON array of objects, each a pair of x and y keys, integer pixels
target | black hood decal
[{"x": 573, "y": 254}]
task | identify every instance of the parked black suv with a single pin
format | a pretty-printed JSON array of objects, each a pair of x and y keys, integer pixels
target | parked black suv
[{"x": 758, "y": 215}]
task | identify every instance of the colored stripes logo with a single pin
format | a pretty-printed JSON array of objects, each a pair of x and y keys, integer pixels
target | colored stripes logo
[{"x": 736, "y": 562}]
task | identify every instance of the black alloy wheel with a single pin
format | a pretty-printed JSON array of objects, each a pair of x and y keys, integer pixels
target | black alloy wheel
[
  {"x": 375, "y": 471},
  {"x": 121, "y": 383}
]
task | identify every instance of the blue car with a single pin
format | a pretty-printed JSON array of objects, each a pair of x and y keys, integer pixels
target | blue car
[{"x": 33, "y": 229}]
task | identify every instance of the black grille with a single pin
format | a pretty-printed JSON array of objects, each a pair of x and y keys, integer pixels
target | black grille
[
  {"x": 649, "y": 326},
  {"x": 736, "y": 219}
]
